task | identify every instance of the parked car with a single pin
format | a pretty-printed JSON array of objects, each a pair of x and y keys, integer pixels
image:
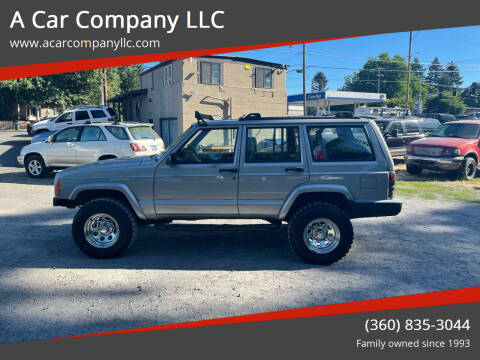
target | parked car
[
  {"x": 31, "y": 123},
  {"x": 76, "y": 116},
  {"x": 440, "y": 117},
  {"x": 453, "y": 147},
  {"x": 88, "y": 143},
  {"x": 399, "y": 132},
  {"x": 323, "y": 173}
]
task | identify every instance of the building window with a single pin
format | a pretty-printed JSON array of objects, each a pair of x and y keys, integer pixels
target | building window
[
  {"x": 167, "y": 75},
  {"x": 209, "y": 73},
  {"x": 263, "y": 78}
]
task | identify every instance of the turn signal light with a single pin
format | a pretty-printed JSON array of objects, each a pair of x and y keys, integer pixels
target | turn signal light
[
  {"x": 137, "y": 147},
  {"x": 57, "y": 188}
]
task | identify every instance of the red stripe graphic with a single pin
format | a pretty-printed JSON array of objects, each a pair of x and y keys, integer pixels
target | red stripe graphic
[
  {"x": 438, "y": 298},
  {"x": 23, "y": 71}
]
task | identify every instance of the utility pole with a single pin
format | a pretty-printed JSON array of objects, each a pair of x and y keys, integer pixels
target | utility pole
[
  {"x": 408, "y": 75},
  {"x": 105, "y": 87},
  {"x": 304, "y": 82}
]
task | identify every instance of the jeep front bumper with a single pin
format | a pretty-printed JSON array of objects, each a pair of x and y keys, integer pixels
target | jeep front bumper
[
  {"x": 434, "y": 163},
  {"x": 64, "y": 202},
  {"x": 20, "y": 160},
  {"x": 361, "y": 209}
]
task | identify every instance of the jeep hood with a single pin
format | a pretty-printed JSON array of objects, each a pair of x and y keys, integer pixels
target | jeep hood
[
  {"x": 443, "y": 142},
  {"x": 108, "y": 164}
]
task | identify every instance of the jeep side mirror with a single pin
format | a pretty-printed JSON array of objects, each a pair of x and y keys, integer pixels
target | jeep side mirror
[
  {"x": 393, "y": 133},
  {"x": 50, "y": 139}
]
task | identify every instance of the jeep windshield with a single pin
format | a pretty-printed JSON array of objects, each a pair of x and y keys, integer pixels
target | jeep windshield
[{"x": 461, "y": 130}]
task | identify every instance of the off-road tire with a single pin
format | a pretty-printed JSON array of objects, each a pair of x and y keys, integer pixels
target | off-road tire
[
  {"x": 465, "y": 172},
  {"x": 313, "y": 211},
  {"x": 414, "y": 170},
  {"x": 125, "y": 218},
  {"x": 39, "y": 160}
]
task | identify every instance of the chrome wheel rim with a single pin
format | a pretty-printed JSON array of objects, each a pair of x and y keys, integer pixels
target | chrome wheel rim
[
  {"x": 34, "y": 167},
  {"x": 321, "y": 236},
  {"x": 101, "y": 231}
]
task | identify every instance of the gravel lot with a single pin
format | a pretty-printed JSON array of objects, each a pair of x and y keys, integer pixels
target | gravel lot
[{"x": 48, "y": 288}]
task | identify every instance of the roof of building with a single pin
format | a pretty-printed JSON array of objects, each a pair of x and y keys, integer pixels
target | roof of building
[{"x": 222, "y": 57}]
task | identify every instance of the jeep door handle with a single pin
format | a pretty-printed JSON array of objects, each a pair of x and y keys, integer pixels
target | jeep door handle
[
  {"x": 230, "y": 170},
  {"x": 70, "y": 144},
  {"x": 294, "y": 169}
]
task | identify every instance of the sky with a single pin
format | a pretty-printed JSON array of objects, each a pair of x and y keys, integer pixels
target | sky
[{"x": 461, "y": 45}]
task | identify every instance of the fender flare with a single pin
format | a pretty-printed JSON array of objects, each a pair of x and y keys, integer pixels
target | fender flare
[
  {"x": 308, "y": 188},
  {"x": 122, "y": 188}
]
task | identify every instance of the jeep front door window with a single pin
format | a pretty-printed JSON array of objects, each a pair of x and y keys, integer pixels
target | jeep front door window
[{"x": 209, "y": 146}]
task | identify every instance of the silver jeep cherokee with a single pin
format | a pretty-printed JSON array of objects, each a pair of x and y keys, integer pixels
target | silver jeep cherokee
[{"x": 316, "y": 174}]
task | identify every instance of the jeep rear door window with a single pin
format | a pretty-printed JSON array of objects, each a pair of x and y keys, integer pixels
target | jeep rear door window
[
  {"x": 118, "y": 132},
  {"x": 273, "y": 145},
  {"x": 209, "y": 146},
  {"x": 143, "y": 133},
  {"x": 339, "y": 143}
]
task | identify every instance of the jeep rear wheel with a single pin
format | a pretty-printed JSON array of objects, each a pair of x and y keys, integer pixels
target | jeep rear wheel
[
  {"x": 468, "y": 169},
  {"x": 320, "y": 233},
  {"x": 104, "y": 228}
]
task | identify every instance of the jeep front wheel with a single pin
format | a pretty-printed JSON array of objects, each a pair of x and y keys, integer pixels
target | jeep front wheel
[
  {"x": 320, "y": 233},
  {"x": 104, "y": 228}
]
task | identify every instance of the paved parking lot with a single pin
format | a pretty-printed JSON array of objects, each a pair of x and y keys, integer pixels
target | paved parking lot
[{"x": 48, "y": 288}]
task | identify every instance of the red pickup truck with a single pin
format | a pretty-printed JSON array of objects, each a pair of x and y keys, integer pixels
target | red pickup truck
[{"x": 453, "y": 146}]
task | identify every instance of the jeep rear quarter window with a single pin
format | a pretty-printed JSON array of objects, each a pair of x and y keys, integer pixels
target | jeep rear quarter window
[
  {"x": 339, "y": 143},
  {"x": 273, "y": 145}
]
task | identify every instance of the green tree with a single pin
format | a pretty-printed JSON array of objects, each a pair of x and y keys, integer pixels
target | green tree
[
  {"x": 319, "y": 82},
  {"x": 471, "y": 95},
  {"x": 384, "y": 74},
  {"x": 417, "y": 69},
  {"x": 435, "y": 74},
  {"x": 446, "y": 103},
  {"x": 451, "y": 77}
]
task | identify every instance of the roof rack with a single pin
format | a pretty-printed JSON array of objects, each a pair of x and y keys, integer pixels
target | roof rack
[
  {"x": 202, "y": 117},
  {"x": 251, "y": 116}
]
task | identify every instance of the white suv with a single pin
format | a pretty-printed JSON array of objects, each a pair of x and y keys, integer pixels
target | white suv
[
  {"x": 76, "y": 116},
  {"x": 88, "y": 143}
]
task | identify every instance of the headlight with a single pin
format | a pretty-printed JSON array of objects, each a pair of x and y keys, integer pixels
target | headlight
[{"x": 451, "y": 152}]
